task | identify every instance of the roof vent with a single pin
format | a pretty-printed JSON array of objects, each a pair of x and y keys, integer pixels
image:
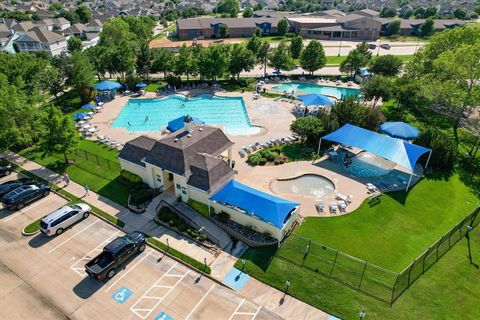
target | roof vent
[
  {"x": 201, "y": 129},
  {"x": 176, "y": 139},
  {"x": 189, "y": 135}
]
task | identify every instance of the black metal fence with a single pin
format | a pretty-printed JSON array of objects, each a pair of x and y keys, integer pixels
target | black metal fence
[
  {"x": 93, "y": 158},
  {"x": 363, "y": 276}
]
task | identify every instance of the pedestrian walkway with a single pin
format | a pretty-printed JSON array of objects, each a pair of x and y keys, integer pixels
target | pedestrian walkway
[{"x": 254, "y": 290}]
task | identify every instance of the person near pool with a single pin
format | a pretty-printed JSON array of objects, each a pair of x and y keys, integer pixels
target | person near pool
[{"x": 146, "y": 118}]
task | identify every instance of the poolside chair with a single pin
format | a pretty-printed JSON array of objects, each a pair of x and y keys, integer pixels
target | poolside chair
[
  {"x": 341, "y": 196},
  {"x": 241, "y": 153},
  {"x": 244, "y": 148},
  {"x": 333, "y": 207},
  {"x": 342, "y": 205},
  {"x": 319, "y": 206}
]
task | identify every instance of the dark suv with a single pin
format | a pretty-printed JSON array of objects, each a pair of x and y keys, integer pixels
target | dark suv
[
  {"x": 14, "y": 184},
  {"x": 18, "y": 198},
  {"x": 5, "y": 169}
]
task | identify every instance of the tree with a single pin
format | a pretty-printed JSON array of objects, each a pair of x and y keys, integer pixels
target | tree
[
  {"x": 296, "y": 46},
  {"x": 356, "y": 59},
  {"x": 350, "y": 110},
  {"x": 144, "y": 61},
  {"x": 248, "y": 12},
  {"x": 420, "y": 13},
  {"x": 59, "y": 134},
  {"x": 185, "y": 62},
  {"x": 313, "y": 57},
  {"x": 460, "y": 13},
  {"x": 388, "y": 12},
  {"x": 254, "y": 44},
  {"x": 81, "y": 75},
  {"x": 282, "y": 27},
  {"x": 56, "y": 6},
  {"x": 96, "y": 55},
  {"x": 444, "y": 150},
  {"x": 378, "y": 87},
  {"x": 162, "y": 61},
  {"x": 83, "y": 13},
  {"x": 262, "y": 56},
  {"x": 394, "y": 27},
  {"x": 387, "y": 65},
  {"x": 280, "y": 57},
  {"x": 406, "y": 12},
  {"x": 258, "y": 7},
  {"x": 309, "y": 128},
  {"x": 426, "y": 28},
  {"x": 430, "y": 12},
  {"x": 241, "y": 59},
  {"x": 74, "y": 44},
  {"x": 214, "y": 61},
  {"x": 69, "y": 15},
  {"x": 223, "y": 30},
  {"x": 230, "y": 7}
]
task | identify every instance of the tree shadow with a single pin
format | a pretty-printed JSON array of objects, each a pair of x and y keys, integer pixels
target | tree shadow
[
  {"x": 468, "y": 174},
  {"x": 261, "y": 256}
]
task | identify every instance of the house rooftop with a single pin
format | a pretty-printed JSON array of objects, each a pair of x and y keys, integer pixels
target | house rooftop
[{"x": 41, "y": 35}]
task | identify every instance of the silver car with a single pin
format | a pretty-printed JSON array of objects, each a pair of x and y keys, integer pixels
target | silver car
[{"x": 56, "y": 222}]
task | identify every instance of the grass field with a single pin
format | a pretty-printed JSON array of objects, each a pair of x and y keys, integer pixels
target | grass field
[
  {"x": 335, "y": 60},
  {"x": 100, "y": 179}
]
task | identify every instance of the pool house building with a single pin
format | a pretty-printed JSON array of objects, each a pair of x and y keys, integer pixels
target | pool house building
[{"x": 195, "y": 162}]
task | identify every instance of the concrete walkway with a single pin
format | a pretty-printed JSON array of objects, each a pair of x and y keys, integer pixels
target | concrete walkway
[{"x": 272, "y": 299}]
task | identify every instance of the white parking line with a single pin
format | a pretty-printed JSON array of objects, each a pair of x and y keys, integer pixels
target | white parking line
[
  {"x": 80, "y": 270},
  {"x": 73, "y": 236},
  {"x": 123, "y": 275},
  {"x": 199, "y": 302},
  {"x": 145, "y": 312},
  {"x": 236, "y": 310},
  {"x": 254, "y": 314},
  {"x": 19, "y": 212}
]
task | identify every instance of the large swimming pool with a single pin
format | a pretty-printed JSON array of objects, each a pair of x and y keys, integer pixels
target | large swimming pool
[
  {"x": 336, "y": 92},
  {"x": 152, "y": 115},
  {"x": 308, "y": 185},
  {"x": 367, "y": 164}
]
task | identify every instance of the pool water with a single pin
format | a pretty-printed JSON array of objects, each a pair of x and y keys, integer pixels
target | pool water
[
  {"x": 336, "y": 92},
  {"x": 227, "y": 112},
  {"x": 309, "y": 185},
  {"x": 367, "y": 164}
]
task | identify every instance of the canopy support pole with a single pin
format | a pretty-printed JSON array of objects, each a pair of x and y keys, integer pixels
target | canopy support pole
[
  {"x": 409, "y": 181},
  {"x": 319, "y": 144},
  {"x": 428, "y": 160}
]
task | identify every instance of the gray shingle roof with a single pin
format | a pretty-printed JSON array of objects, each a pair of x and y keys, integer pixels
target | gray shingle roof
[
  {"x": 206, "y": 23},
  {"x": 137, "y": 149},
  {"x": 40, "y": 35}
]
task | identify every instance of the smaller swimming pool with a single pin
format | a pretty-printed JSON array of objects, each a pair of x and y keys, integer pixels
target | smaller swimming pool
[
  {"x": 308, "y": 185},
  {"x": 367, "y": 164},
  {"x": 336, "y": 92}
]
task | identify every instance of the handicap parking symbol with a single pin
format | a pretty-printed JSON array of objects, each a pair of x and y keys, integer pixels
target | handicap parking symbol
[
  {"x": 163, "y": 316},
  {"x": 122, "y": 295}
]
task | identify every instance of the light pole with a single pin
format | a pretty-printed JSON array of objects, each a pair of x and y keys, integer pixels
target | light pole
[
  {"x": 168, "y": 245},
  {"x": 467, "y": 235},
  {"x": 339, "y": 47},
  {"x": 416, "y": 47},
  {"x": 287, "y": 285},
  {"x": 244, "y": 262},
  {"x": 379, "y": 44}
]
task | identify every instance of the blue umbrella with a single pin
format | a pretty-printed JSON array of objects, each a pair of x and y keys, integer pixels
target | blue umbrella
[
  {"x": 277, "y": 72},
  {"x": 107, "y": 86},
  {"x": 178, "y": 123},
  {"x": 400, "y": 130},
  {"x": 88, "y": 106},
  {"x": 79, "y": 116},
  {"x": 141, "y": 85},
  {"x": 315, "y": 99}
]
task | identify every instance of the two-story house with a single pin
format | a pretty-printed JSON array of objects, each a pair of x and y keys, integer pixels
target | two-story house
[{"x": 41, "y": 39}]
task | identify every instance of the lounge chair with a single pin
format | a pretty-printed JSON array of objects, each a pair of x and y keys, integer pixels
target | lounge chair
[
  {"x": 342, "y": 197},
  {"x": 319, "y": 206},
  {"x": 342, "y": 205},
  {"x": 333, "y": 207},
  {"x": 241, "y": 153}
]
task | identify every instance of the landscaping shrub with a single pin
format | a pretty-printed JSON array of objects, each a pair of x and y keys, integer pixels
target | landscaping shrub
[
  {"x": 130, "y": 178},
  {"x": 254, "y": 159},
  {"x": 267, "y": 154},
  {"x": 280, "y": 159},
  {"x": 199, "y": 207},
  {"x": 262, "y": 161},
  {"x": 141, "y": 196},
  {"x": 223, "y": 216},
  {"x": 182, "y": 226}
]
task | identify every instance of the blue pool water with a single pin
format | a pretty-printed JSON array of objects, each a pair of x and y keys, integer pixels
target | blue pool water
[
  {"x": 230, "y": 113},
  {"x": 368, "y": 165},
  {"x": 336, "y": 92}
]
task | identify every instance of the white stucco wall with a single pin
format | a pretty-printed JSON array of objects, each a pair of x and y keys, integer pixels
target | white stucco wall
[{"x": 134, "y": 168}]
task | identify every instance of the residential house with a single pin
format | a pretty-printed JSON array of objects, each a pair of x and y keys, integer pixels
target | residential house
[
  {"x": 195, "y": 161},
  {"x": 41, "y": 39},
  {"x": 93, "y": 29},
  {"x": 412, "y": 26},
  {"x": 76, "y": 30},
  {"x": 368, "y": 13},
  {"x": 9, "y": 23},
  {"x": 56, "y": 24}
]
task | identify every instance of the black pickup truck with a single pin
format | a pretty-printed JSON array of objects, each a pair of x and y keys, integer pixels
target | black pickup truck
[{"x": 115, "y": 254}]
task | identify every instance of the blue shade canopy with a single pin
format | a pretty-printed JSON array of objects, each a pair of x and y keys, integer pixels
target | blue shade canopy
[
  {"x": 141, "y": 85},
  {"x": 315, "y": 99},
  {"x": 88, "y": 106},
  {"x": 79, "y": 116},
  {"x": 177, "y": 123},
  {"x": 277, "y": 72},
  {"x": 107, "y": 86},
  {"x": 261, "y": 205},
  {"x": 402, "y": 153},
  {"x": 400, "y": 130}
]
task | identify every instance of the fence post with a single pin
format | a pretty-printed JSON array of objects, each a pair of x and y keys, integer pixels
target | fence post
[
  {"x": 423, "y": 260},
  {"x": 108, "y": 162},
  {"x": 410, "y": 272},
  {"x": 393, "y": 289},
  {"x": 363, "y": 273},
  {"x": 96, "y": 157},
  {"x": 86, "y": 156},
  {"x": 333, "y": 265}
]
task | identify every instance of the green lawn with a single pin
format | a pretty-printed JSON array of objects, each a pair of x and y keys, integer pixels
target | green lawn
[
  {"x": 100, "y": 179},
  {"x": 335, "y": 60}
]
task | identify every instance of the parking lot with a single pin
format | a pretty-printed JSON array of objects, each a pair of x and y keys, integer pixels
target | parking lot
[{"x": 48, "y": 275}]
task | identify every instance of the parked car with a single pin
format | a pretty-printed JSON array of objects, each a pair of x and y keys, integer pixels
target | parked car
[
  {"x": 372, "y": 46},
  {"x": 8, "y": 186},
  {"x": 115, "y": 254},
  {"x": 18, "y": 198},
  {"x": 57, "y": 221},
  {"x": 385, "y": 46},
  {"x": 5, "y": 169}
]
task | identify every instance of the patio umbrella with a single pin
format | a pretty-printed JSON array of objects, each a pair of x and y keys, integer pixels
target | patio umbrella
[
  {"x": 141, "y": 85},
  {"x": 400, "y": 130},
  {"x": 315, "y": 99},
  {"x": 107, "y": 86},
  {"x": 79, "y": 116},
  {"x": 88, "y": 106}
]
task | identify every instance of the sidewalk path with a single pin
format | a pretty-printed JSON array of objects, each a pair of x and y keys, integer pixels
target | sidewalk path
[{"x": 254, "y": 290}]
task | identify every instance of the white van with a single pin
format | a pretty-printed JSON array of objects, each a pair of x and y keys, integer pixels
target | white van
[{"x": 56, "y": 222}]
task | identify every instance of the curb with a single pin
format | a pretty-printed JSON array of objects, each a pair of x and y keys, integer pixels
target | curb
[{"x": 29, "y": 234}]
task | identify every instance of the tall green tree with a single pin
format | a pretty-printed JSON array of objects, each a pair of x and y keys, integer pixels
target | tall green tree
[
  {"x": 83, "y": 13},
  {"x": 241, "y": 59},
  {"x": 378, "y": 87},
  {"x": 296, "y": 46},
  {"x": 223, "y": 30},
  {"x": 144, "y": 61},
  {"x": 426, "y": 28},
  {"x": 356, "y": 59},
  {"x": 74, "y": 44},
  {"x": 81, "y": 75},
  {"x": 230, "y": 7},
  {"x": 162, "y": 61},
  {"x": 185, "y": 62},
  {"x": 313, "y": 57},
  {"x": 262, "y": 56},
  {"x": 387, "y": 65},
  {"x": 58, "y": 134},
  {"x": 254, "y": 44},
  {"x": 214, "y": 61},
  {"x": 282, "y": 27},
  {"x": 388, "y": 12},
  {"x": 280, "y": 57},
  {"x": 248, "y": 12},
  {"x": 394, "y": 27}
]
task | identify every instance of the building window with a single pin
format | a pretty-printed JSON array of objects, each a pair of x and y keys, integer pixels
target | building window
[
  {"x": 178, "y": 186},
  {"x": 184, "y": 190}
]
